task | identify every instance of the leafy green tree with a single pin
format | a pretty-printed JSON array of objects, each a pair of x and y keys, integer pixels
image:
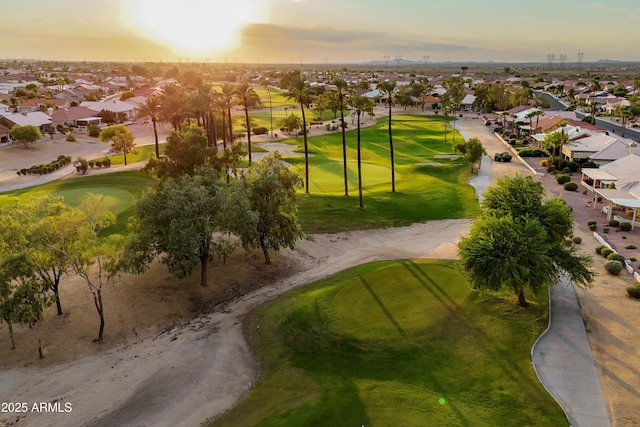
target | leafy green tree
[
  {"x": 518, "y": 241},
  {"x": 26, "y": 135},
  {"x": 388, "y": 88},
  {"x": 186, "y": 152},
  {"x": 342, "y": 94},
  {"x": 272, "y": 192},
  {"x": 472, "y": 150},
  {"x": 360, "y": 105},
  {"x": 121, "y": 137},
  {"x": 248, "y": 99},
  {"x": 553, "y": 141},
  {"x": 151, "y": 108},
  {"x": 187, "y": 220},
  {"x": 94, "y": 259},
  {"x": 300, "y": 91},
  {"x": 290, "y": 122}
]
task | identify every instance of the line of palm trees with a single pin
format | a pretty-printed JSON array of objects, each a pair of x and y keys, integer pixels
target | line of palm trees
[
  {"x": 202, "y": 102},
  {"x": 300, "y": 91}
]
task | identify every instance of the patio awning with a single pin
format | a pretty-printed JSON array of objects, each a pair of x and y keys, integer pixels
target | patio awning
[
  {"x": 620, "y": 197},
  {"x": 598, "y": 175}
]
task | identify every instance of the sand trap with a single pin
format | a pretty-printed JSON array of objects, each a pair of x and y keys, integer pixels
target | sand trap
[{"x": 428, "y": 164}]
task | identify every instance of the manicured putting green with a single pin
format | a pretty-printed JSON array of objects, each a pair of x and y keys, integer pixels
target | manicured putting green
[
  {"x": 112, "y": 199},
  {"x": 400, "y": 343}
]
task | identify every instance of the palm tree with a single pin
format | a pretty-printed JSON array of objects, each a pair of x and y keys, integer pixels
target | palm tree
[
  {"x": 171, "y": 102},
  {"x": 530, "y": 115},
  {"x": 300, "y": 91},
  {"x": 228, "y": 91},
  {"x": 341, "y": 93},
  {"x": 360, "y": 104},
  {"x": 151, "y": 108},
  {"x": 387, "y": 88},
  {"x": 248, "y": 98}
]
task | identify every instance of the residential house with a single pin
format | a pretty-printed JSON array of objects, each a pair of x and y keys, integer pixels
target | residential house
[
  {"x": 599, "y": 148},
  {"x": 125, "y": 109},
  {"x": 35, "y": 104},
  {"x": 38, "y": 119},
  {"x": 80, "y": 117},
  {"x": 4, "y": 134}
]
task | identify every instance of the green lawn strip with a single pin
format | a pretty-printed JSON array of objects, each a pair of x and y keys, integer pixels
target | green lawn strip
[
  {"x": 263, "y": 118},
  {"x": 423, "y": 191},
  {"x": 396, "y": 343},
  {"x": 141, "y": 153},
  {"x": 119, "y": 190}
]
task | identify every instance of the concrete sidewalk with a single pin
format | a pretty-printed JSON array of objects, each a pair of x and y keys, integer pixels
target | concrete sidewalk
[{"x": 562, "y": 356}]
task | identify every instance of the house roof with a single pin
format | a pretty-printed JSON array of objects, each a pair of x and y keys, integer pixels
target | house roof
[
  {"x": 34, "y": 102},
  {"x": 619, "y": 197},
  {"x": 114, "y": 105},
  {"x": 615, "y": 151},
  {"x": 468, "y": 100},
  {"x": 36, "y": 118},
  {"x": 71, "y": 113},
  {"x": 624, "y": 167}
]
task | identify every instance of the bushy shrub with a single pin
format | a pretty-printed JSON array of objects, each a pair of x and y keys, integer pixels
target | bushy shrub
[
  {"x": 566, "y": 171},
  {"x": 573, "y": 166},
  {"x": 634, "y": 291},
  {"x": 577, "y": 240},
  {"x": 552, "y": 169},
  {"x": 613, "y": 267},
  {"x": 503, "y": 157},
  {"x": 563, "y": 178},
  {"x": 605, "y": 252},
  {"x": 94, "y": 131},
  {"x": 543, "y": 162},
  {"x": 71, "y": 138},
  {"x": 532, "y": 152},
  {"x": 630, "y": 247},
  {"x": 570, "y": 186},
  {"x": 599, "y": 249},
  {"x": 605, "y": 230},
  {"x": 633, "y": 259},
  {"x": 592, "y": 222},
  {"x": 625, "y": 226},
  {"x": 614, "y": 223},
  {"x": 513, "y": 141},
  {"x": 590, "y": 164},
  {"x": 260, "y": 130},
  {"x": 616, "y": 256},
  {"x": 593, "y": 227}
]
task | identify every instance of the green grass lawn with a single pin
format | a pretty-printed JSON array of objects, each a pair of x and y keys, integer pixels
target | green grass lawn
[
  {"x": 141, "y": 153},
  {"x": 263, "y": 118},
  {"x": 402, "y": 343},
  {"x": 119, "y": 189},
  {"x": 423, "y": 192}
]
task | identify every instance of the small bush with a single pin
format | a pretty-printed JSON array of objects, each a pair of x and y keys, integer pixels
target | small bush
[
  {"x": 260, "y": 130},
  {"x": 590, "y": 164},
  {"x": 625, "y": 226},
  {"x": 566, "y": 171},
  {"x": 623, "y": 237},
  {"x": 577, "y": 240},
  {"x": 605, "y": 230},
  {"x": 584, "y": 191},
  {"x": 614, "y": 223},
  {"x": 563, "y": 178},
  {"x": 593, "y": 227},
  {"x": 94, "y": 131},
  {"x": 543, "y": 162},
  {"x": 552, "y": 169},
  {"x": 570, "y": 186},
  {"x": 592, "y": 222},
  {"x": 634, "y": 291},
  {"x": 616, "y": 257},
  {"x": 71, "y": 138},
  {"x": 503, "y": 157},
  {"x": 613, "y": 267},
  {"x": 633, "y": 259},
  {"x": 573, "y": 166},
  {"x": 532, "y": 152},
  {"x": 630, "y": 247},
  {"x": 599, "y": 249},
  {"x": 605, "y": 252}
]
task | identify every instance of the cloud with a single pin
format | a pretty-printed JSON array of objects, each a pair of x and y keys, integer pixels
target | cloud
[{"x": 287, "y": 41}]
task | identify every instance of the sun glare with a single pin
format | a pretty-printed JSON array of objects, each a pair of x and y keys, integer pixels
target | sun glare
[{"x": 196, "y": 26}]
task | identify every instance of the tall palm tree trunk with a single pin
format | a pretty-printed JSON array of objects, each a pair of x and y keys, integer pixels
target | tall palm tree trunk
[
  {"x": 230, "y": 126},
  {"x": 393, "y": 171},
  {"x": 344, "y": 150},
  {"x": 246, "y": 116},
  {"x": 155, "y": 134},
  {"x": 306, "y": 150},
  {"x": 359, "y": 167}
]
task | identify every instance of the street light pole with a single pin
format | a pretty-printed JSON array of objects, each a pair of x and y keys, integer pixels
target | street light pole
[{"x": 270, "y": 112}]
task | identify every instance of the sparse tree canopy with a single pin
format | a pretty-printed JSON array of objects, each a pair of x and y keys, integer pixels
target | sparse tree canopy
[
  {"x": 472, "y": 150},
  {"x": 518, "y": 242},
  {"x": 186, "y": 152},
  {"x": 272, "y": 192},
  {"x": 188, "y": 220},
  {"x": 26, "y": 135}
]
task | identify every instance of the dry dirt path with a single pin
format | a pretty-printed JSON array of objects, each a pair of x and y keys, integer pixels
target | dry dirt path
[{"x": 198, "y": 370}]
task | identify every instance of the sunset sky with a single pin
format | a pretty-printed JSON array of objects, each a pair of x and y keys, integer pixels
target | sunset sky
[{"x": 320, "y": 31}]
